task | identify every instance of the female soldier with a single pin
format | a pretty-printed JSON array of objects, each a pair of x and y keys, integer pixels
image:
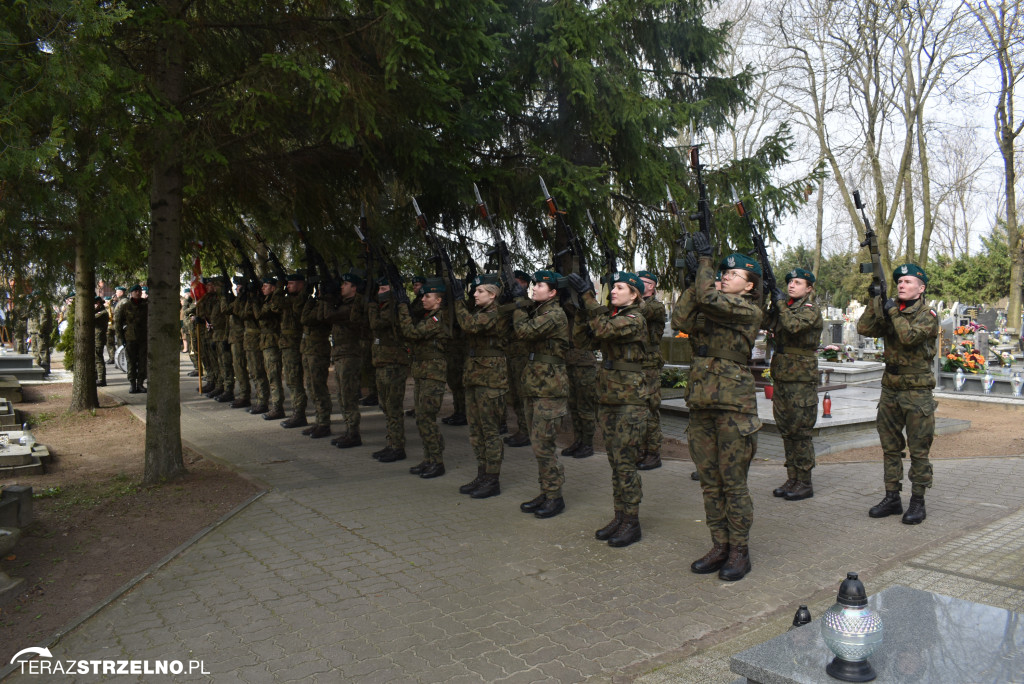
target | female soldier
[
  {"x": 621, "y": 395},
  {"x": 486, "y": 380},
  {"x": 429, "y": 336},
  {"x": 723, "y": 410}
]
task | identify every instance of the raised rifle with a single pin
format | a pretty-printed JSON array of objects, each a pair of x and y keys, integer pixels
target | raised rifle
[
  {"x": 768, "y": 275},
  {"x": 573, "y": 252},
  {"x": 379, "y": 256},
  {"x": 314, "y": 261},
  {"x": 248, "y": 270},
  {"x": 282, "y": 275},
  {"x": 498, "y": 254},
  {"x": 681, "y": 246},
  {"x": 703, "y": 214},
  {"x": 877, "y": 287},
  {"x": 370, "y": 283},
  {"x": 444, "y": 262}
]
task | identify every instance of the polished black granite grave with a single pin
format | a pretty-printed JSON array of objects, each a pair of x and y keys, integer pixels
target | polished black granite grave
[{"x": 927, "y": 638}]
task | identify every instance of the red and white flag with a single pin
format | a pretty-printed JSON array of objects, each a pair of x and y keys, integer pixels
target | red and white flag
[{"x": 198, "y": 289}]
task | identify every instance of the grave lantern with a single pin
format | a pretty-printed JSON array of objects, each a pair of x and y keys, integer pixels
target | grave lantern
[{"x": 852, "y": 631}]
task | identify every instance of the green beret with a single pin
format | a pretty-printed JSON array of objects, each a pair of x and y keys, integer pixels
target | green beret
[
  {"x": 98, "y": 299},
  {"x": 135, "y": 288},
  {"x": 910, "y": 270},
  {"x": 296, "y": 276},
  {"x": 629, "y": 278},
  {"x": 648, "y": 275},
  {"x": 122, "y": 288},
  {"x": 144, "y": 289},
  {"x": 107, "y": 299},
  {"x": 435, "y": 285},
  {"x": 269, "y": 280},
  {"x": 383, "y": 280},
  {"x": 800, "y": 273},
  {"x": 742, "y": 262},
  {"x": 419, "y": 279},
  {"x": 522, "y": 275},
  {"x": 353, "y": 278},
  {"x": 549, "y": 277},
  {"x": 491, "y": 279}
]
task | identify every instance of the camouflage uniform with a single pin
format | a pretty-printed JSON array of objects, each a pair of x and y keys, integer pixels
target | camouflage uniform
[
  {"x": 130, "y": 324},
  {"x": 270, "y": 330},
  {"x": 111, "y": 306},
  {"x": 581, "y": 364},
  {"x": 486, "y": 381},
  {"x": 349, "y": 322},
  {"x": 391, "y": 363},
  {"x": 289, "y": 307},
  {"x": 797, "y": 324},
  {"x": 621, "y": 334},
  {"x": 316, "y": 355},
  {"x": 211, "y": 358},
  {"x": 723, "y": 421},
  {"x": 243, "y": 307},
  {"x": 236, "y": 340},
  {"x": 429, "y": 337},
  {"x": 654, "y": 313},
  {"x": 219, "y": 317},
  {"x": 544, "y": 385},
  {"x": 43, "y": 329},
  {"x": 100, "y": 325},
  {"x": 906, "y": 401}
]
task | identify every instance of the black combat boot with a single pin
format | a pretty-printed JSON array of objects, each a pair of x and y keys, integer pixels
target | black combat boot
[
  {"x": 419, "y": 467},
  {"x": 309, "y": 430},
  {"x": 503, "y": 428},
  {"x": 651, "y": 460},
  {"x": 275, "y": 413},
  {"x": 780, "y": 492},
  {"x": 101, "y": 383},
  {"x": 605, "y": 533},
  {"x": 890, "y": 505},
  {"x": 519, "y": 439},
  {"x": 474, "y": 483},
  {"x": 572, "y": 448},
  {"x": 627, "y": 532},
  {"x": 349, "y": 440},
  {"x": 411, "y": 413},
  {"x": 695, "y": 476},
  {"x": 370, "y": 401},
  {"x": 241, "y": 403},
  {"x": 208, "y": 387},
  {"x": 550, "y": 508},
  {"x": 711, "y": 561},
  {"x": 393, "y": 455},
  {"x": 489, "y": 486},
  {"x": 915, "y": 514},
  {"x": 533, "y": 504},
  {"x": 738, "y": 565},
  {"x": 380, "y": 452},
  {"x": 259, "y": 410},
  {"x": 142, "y": 387},
  {"x": 584, "y": 451},
  {"x": 433, "y": 470},
  {"x": 457, "y": 419},
  {"x": 801, "y": 490},
  {"x": 217, "y": 391},
  {"x": 296, "y": 420},
  {"x": 320, "y": 431},
  {"x": 133, "y": 387},
  {"x": 228, "y": 396}
]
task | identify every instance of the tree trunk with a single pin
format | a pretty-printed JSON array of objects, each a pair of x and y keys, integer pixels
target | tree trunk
[
  {"x": 83, "y": 385},
  {"x": 819, "y": 225},
  {"x": 163, "y": 408},
  {"x": 927, "y": 217}
]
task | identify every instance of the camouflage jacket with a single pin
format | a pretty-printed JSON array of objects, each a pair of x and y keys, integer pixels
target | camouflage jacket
[
  {"x": 289, "y": 308},
  {"x": 720, "y": 377},
  {"x": 316, "y": 328},
  {"x": 217, "y": 315},
  {"x": 485, "y": 361},
  {"x": 348, "y": 318},
  {"x": 581, "y": 341},
  {"x": 102, "y": 320},
  {"x": 910, "y": 335},
  {"x": 242, "y": 309},
  {"x": 268, "y": 319},
  {"x": 429, "y": 337},
  {"x": 797, "y": 324},
  {"x": 544, "y": 330},
  {"x": 654, "y": 313},
  {"x": 236, "y": 329},
  {"x": 622, "y": 336},
  {"x": 130, "y": 320},
  {"x": 388, "y": 344}
]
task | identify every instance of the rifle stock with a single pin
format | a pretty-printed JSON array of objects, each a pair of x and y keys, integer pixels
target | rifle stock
[{"x": 768, "y": 280}]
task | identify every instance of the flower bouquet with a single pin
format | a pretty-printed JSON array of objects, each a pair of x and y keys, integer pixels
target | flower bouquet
[
  {"x": 829, "y": 353},
  {"x": 964, "y": 356}
]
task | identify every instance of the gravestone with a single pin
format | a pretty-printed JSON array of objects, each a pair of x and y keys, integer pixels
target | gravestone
[
  {"x": 946, "y": 340},
  {"x": 988, "y": 318},
  {"x": 968, "y": 314},
  {"x": 981, "y": 343}
]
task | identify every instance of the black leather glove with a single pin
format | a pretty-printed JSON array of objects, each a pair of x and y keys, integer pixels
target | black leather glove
[
  {"x": 401, "y": 296},
  {"x": 888, "y": 306},
  {"x": 579, "y": 284},
  {"x": 458, "y": 290},
  {"x": 691, "y": 266},
  {"x": 701, "y": 244},
  {"x": 777, "y": 295},
  {"x": 518, "y": 291}
]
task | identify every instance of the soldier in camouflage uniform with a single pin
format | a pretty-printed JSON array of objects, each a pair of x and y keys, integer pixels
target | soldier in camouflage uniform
[
  {"x": 621, "y": 333},
  {"x": 654, "y": 313},
  {"x": 416, "y": 311},
  {"x": 101, "y": 322},
  {"x": 349, "y": 319},
  {"x": 270, "y": 330},
  {"x": 289, "y": 307},
  {"x": 220, "y": 313},
  {"x": 429, "y": 336},
  {"x": 214, "y": 381},
  {"x": 316, "y": 355},
  {"x": 391, "y": 363},
  {"x": 796, "y": 322},
  {"x": 130, "y": 324},
  {"x": 909, "y": 329},
  {"x": 236, "y": 340},
  {"x": 581, "y": 364},
  {"x": 486, "y": 380},
  {"x": 119, "y": 294},
  {"x": 41, "y": 328},
  {"x": 244, "y": 307},
  {"x": 723, "y": 422},
  {"x": 515, "y": 352},
  {"x": 544, "y": 331}
]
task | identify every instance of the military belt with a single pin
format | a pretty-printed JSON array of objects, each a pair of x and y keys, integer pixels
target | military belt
[
  {"x": 621, "y": 366},
  {"x": 484, "y": 352},
  {"x": 894, "y": 369},
  {"x": 799, "y": 352},
  {"x": 428, "y": 356},
  {"x": 546, "y": 358},
  {"x": 727, "y": 354}
]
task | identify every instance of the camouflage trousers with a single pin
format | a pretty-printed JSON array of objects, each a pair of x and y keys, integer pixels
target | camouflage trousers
[
  {"x": 485, "y": 408},
  {"x": 101, "y": 368},
  {"x": 514, "y": 398},
  {"x": 314, "y": 371},
  {"x": 291, "y": 367},
  {"x": 272, "y": 367},
  {"x": 348, "y": 376},
  {"x": 368, "y": 374},
  {"x": 209, "y": 359},
  {"x": 652, "y": 429},
  {"x": 622, "y": 427},
  {"x": 583, "y": 402},
  {"x": 135, "y": 358},
  {"x": 227, "y": 366},
  {"x": 915, "y": 411},
  {"x": 41, "y": 350},
  {"x": 112, "y": 347},
  {"x": 543, "y": 416},
  {"x": 257, "y": 376},
  {"x": 428, "y": 396},
  {"x": 795, "y": 409},
  {"x": 722, "y": 445},
  {"x": 241, "y": 368},
  {"x": 391, "y": 393},
  {"x": 456, "y": 363}
]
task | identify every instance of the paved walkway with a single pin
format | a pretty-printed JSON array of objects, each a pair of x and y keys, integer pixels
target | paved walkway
[{"x": 352, "y": 570}]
